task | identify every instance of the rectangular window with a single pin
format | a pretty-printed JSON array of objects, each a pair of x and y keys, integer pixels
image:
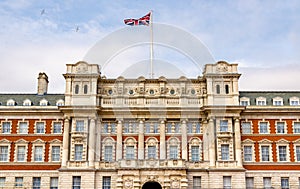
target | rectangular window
[
  {"x": 106, "y": 183},
  {"x": 19, "y": 182},
  {"x": 36, "y": 182},
  {"x": 126, "y": 128},
  {"x": 79, "y": 126},
  {"x": 249, "y": 182},
  {"x": 2, "y": 182},
  {"x": 223, "y": 125},
  {"x": 151, "y": 152},
  {"x": 6, "y": 127},
  {"x": 108, "y": 153},
  {"x": 298, "y": 153},
  {"x": 277, "y": 103},
  {"x": 177, "y": 127},
  {"x": 196, "y": 182},
  {"x": 225, "y": 152},
  {"x": 38, "y": 153},
  {"x": 280, "y": 127},
  {"x": 244, "y": 103},
  {"x": 173, "y": 152},
  {"x": 294, "y": 102},
  {"x": 105, "y": 127},
  {"x": 76, "y": 183},
  {"x": 40, "y": 127},
  {"x": 267, "y": 182},
  {"x": 130, "y": 152},
  {"x": 21, "y": 153},
  {"x": 285, "y": 183},
  {"x": 113, "y": 128},
  {"x": 155, "y": 128},
  {"x": 195, "y": 153},
  {"x": 263, "y": 127},
  {"x": 54, "y": 183},
  {"x": 265, "y": 153},
  {"x": 261, "y": 103},
  {"x": 246, "y": 127},
  {"x": 226, "y": 182},
  {"x": 56, "y": 127},
  {"x": 169, "y": 128},
  {"x": 78, "y": 152},
  {"x": 23, "y": 127},
  {"x": 296, "y": 127},
  {"x": 247, "y": 153},
  {"x": 147, "y": 128},
  {"x": 3, "y": 153},
  {"x": 190, "y": 128},
  {"x": 55, "y": 154},
  {"x": 282, "y": 153}
]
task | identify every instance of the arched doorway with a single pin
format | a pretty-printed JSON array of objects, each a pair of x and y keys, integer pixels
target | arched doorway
[{"x": 151, "y": 185}]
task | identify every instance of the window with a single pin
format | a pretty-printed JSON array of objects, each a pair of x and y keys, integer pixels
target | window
[
  {"x": 54, "y": 183},
  {"x": 218, "y": 89},
  {"x": 56, "y": 127},
  {"x": 277, "y": 103},
  {"x": 27, "y": 102},
  {"x": 265, "y": 153},
  {"x": 249, "y": 182},
  {"x": 19, "y": 182},
  {"x": 155, "y": 128},
  {"x": 38, "y": 153},
  {"x": 195, "y": 153},
  {"x": 247, "y": 153},
  {"x": 151, "y": 152},
  {"x": 2, "y": 182},
  {"x": 23, "y": 127},
  {"x": 190, "y": 128},
  {"x": 78, "y": 152},
  {"x": 225, "y": 152},
  {"x": 126, "y": 128},
  {"x": 6, "y": 127},
  {"x": 223, "y": 125},
  {"x": 285, "y": 183},
  {"x": 147, "y": 127},
  {"x": 55, "y": 154},
  {"x": 79, "y": 126},
  {"x": 40, "y": 127},
  {"x": 173, "y": 152},
  {"x": 280, "y": 127},
  {"x": 282, "y": 153},
  {"x": 296, "y": 127},
  {"x": 226, "y": 182},
  {"x": 21, "y": 153},
  {"x": 298, "y": 153},
  {"x": 227, "y": 89},
  {"x": 108, "y": 153},
  {"x": 36, "y": 182},
  {"x": 130, "y": 152},
  {"x": 76, "y": 89},
  {"x": 261, "y": 102},
  {"x": 43, "y": 102},
  {"x": 267, "y": 182},
  {"x": 244, "y": 103},
  {"x": 294, "y": 102},
  {"x": 263, "y": 127},
  {"x": 177, "y": 127},
  {"x": 196, "y": 182},
  {"x": 169, "y": 128},
  {"x": 85, "y": 89},
  {"x": 198, "y": 128},
  {"x": 3, "y": 153},
  {"x": 106, "y": 183},
  {"x": 246, "y": 127},
  {"x": 113, "y": 128},
  {"x": 105, "y": 127},
  {"x": 76, "y": 183}
]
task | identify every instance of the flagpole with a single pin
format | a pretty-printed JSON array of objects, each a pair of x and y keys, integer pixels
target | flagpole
[{"x": 151, "y": 46}]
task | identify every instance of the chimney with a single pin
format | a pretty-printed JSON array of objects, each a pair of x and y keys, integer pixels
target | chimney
[{"x": 42, "y": 84}]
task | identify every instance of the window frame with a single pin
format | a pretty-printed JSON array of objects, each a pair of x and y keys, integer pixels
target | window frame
[
  {"x": 6, "y": 127},
  {"x": 39, "y": 130},
  {"x": 36, "y": 182},
  {"x": 281, "y": 130},
  {"x": 4, "y": 156},
  {"x": 53, "y": 185},
  {"x": 267, "y": 129},
  {"x": 225, "y": 156},
  {"x": 78, "y": 152},
  {"x": 56, "y": 130},
  {"x": 76, "y": 182},
  {"x": 247, "y": 129},
  {"x": 106, "y": 182},
  {"x": 224, "y": 125},
  {"x": 21, "y": 124},
  {"x": 248, "y": 153}
]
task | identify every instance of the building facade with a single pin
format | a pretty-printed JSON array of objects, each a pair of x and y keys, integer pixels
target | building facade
[{"x": 150, "y": 133}]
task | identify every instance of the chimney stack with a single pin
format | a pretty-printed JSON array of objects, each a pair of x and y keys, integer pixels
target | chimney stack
[{"x": 42, "y": 84}]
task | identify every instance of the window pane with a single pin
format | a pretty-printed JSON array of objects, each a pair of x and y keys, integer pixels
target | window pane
[
  {"x": 280, "y": 127},
  {"x": 40, "y": 127},
  {"x": 106, "y": 183},
  {"x": 78, "y": 152},
  {"x": 79, "y": 125},
  {"x": 3, "y": 153},
  {"x": 298, "y": 153},
  {"x": 249, "y": 182},
  {"x": 129, "y": 152},
  {"x": 151, "y": 152},
  {"x": 23, "y": 127},
  {"x": 285, "y": 183},
  {"x": 282, "y": 153},
  {"x": 21, "y": 153},
  {"x": 38, "y": 153},
  {"x": 19, "y": 181},
  {"x": 247, "y": 153},
  {"x": 196, "y": 182},
  {"x": 265, "y": 153},
  {"x": 108, "y": 153},
  {"x": 173, "y": 152},
  {"x": 267, "y": 182},
  {"x": 223, "y": 125},
  {"x": 54, "y": 183},
  {"x": 225, "y": 152},
  {"x": 76, "y": 182},
  {"x": 195, "y": 153},
  {"x": 263, "y": 127},
  {"x": 36, "y": 182},
  {"x": 55, "y": 153},
  {"x": 246, "y": 127},
  {"x": 57, "y": 127},
  {"x": 226, "y": 182},
  {"x": 296, "y": 127},
  {"x": 6, "y": 127},
  {"x": 2, "y": 182}
]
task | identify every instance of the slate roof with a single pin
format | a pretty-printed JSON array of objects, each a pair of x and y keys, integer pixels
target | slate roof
[
  {"x": 34, "y": 98},
  {"x": 269, "y": 95}
]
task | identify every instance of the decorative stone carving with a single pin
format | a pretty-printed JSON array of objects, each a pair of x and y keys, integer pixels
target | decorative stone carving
[
  {"x": 175, "y": 183},
  {"x": 222, "y": 67},
  {"x": 81, "y": 68},
  {"x": 128, "y": 183}
]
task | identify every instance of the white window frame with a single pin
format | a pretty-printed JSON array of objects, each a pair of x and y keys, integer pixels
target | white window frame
[
  {"x": 130, "y": 153},
  {"x": 79, "y": 125},
  {"x": 6, "y": 130},
  {"x": 297, "y": 152},
  {"x": 108, "y": 153},
  {"x": 35, "y": 144},
  {"x": 54, "y": 124},
  {"x": 4, "y": 153},
  {"x": 195, "y": 142},
  {"x": 53, "y": 182},
  {"x": 248, "y": 129},
  {"x": 284, "y": 127},
  {"x": 268, "y": 143},
  {"x": 225, "y": 152},
  {"x": 38, "y": 153},
  {"x": 2, "y": 182},
  {"x": 249, "y": 182},
  {"x": 267, "y": 182},
  {"x": 296, "y": 124},
  {"x": 27, "y": 102},
  {"x": 19, "y": 182},
  {"x": 173, "y": 143},
  {"x": 132, "y": 144},
  {"x": 55, "y": 154},
  {"x": 153, "y": 143},
  {"x": 227, "y": 182},
  {"x": 108, "y": 142},
  {"x": 36, "y": 182},
  {"x": 294, "y": 101},
  {"x": 76, "y": 182},
  {"x": 22, "y": 130},
  {"x": 248, "y": 153},
  {"x": 261, "y": 101},
  {"x": 284, "y": 183},
  {"x": 224, "y": 125},
  {"x": 37, "y": 125},
  {"x": 284, "y": 143},
  {"x": 78, "y": 153},
  {"x": 268, "y": 127},
  {"x": 245, "y": 101}
]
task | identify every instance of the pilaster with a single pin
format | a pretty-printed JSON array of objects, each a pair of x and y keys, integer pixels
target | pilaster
[
  {"x": 65, "y": 152},
  {"x": 162, "y": 138},
  {"x": 119, "y": 148}
]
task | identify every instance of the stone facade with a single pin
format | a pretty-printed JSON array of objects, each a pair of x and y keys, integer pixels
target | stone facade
[{"x": 150, "y": 133}]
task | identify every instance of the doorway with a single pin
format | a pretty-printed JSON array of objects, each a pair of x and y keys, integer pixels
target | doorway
[{"x": 151, "y": 185}]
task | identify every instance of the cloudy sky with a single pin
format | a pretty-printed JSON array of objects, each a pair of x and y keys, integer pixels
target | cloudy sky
[{"x": 263, "y": 37}]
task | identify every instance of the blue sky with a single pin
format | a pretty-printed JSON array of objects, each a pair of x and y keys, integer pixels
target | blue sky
[{"x": 262, "y": 36}]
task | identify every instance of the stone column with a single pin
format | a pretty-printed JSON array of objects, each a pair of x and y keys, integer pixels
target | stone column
[
  {"x": 92, "y": 133},
  {"x": 119, "y": 148},
  {"x": 211, "y": 143},
  {"x": 65, "y": 152},
  {"x": 184, "y": 140},
  {"x": 238, "y": 146},
  {"x": 98, "y": 140},
  {"x": 141, "y": 148},
  {"x": 205, "y": 129},
  {"x": 162, "y": 138}
]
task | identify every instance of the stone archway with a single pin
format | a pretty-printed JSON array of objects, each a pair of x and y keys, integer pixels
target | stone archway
[{"x": 151, "y": 185}]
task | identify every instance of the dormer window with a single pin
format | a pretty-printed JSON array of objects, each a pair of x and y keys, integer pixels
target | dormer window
[
  {"x": 261, "y": 101},
  {"x": 60, "y": 102},
  {"x": 11, "y": 102},
  {"x": 294, "y": 101},
  {"x": 277, "y": 101},
  {"x": 27, "y": 102},
  {"x": 43, "y": 102},
  {"x": 244, "y": 101}
]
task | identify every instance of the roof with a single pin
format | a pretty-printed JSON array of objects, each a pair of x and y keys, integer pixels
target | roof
[{"x": 34, "y": 98}]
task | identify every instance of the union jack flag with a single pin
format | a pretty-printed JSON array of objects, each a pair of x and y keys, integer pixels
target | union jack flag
[{"x": 145, "y": 20}]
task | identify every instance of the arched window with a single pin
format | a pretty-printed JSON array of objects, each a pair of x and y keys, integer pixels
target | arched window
[
  {"x": 218, "y": 89},
  {"x": 76, "y": 89},
  {"x": 85, "y": 89},
  {"x": 227, "y": 89}
]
